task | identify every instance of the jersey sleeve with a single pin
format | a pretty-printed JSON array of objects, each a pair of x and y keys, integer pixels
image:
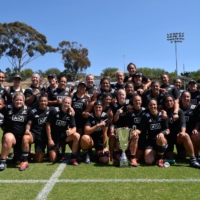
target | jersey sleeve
[{"x": 52, "y": 116}]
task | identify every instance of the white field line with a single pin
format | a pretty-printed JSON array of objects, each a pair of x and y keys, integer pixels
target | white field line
[{"x": 52, "y": 181}]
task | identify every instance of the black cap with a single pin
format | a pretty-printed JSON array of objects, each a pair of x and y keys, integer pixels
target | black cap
[
  {"x": 192, "y": 81},
  {"x": 82, "y": 83},
  {"x": 52, "y": 75},
  {"x": 17, "y": 76},
  {"x": 98, "y": 103},
  {"x": 138, "y": 74}
]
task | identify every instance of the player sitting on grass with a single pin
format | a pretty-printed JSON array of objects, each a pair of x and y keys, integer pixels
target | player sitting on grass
[
  {"x": 61, "y": 126},
  {"x": 95, "y": 134},
  {"x": 156, "y": 129},
  {"x": 36, "y": 132},
  {"x": 15, "y": 120}
]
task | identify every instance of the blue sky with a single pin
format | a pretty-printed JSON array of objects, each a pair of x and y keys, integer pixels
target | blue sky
[{"x": 114, "y": 31}]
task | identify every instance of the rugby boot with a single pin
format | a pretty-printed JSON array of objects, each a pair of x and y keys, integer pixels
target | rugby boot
[
  {"x": 74, "y": 162},
  {"x": 133, "y": 162},
  {"x": 195, "y": 164},
  {"x": 2, "y": 164},
  {"x": 23, "y": 166},
  {"x": 87, "y": 158},
  {"x": 160, "y": 163}
]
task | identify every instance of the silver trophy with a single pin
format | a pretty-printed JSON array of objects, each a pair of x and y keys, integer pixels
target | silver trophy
[{"x": 123, "y": 135}]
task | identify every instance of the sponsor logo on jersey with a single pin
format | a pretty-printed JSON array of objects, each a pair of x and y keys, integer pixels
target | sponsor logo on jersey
[
  {"x": 137, "y": 120},
  {"x": 155, "y": 126},
  {"x": 60, "y": 97},
  {"x": 18, "y": 118},
  {"x": 60, "y": 123},
  {"x": 42, "y": 120}
]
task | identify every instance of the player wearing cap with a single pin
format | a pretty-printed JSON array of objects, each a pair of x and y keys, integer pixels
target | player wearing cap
[
  {"x": 132, "y": 71},
  {"x": 195, "y": 93},
  {"x": 61, "y": 126},
  {"x": 57, "y": 94},
  {"x": 33, "y": 93},
  {"x": 52, "y": 79},
  {"x": 15, "y": 88},
  {"x": 95, "y": 134}
]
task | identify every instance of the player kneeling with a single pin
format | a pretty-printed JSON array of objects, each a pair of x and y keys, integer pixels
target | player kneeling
[
  {"x": 95, "y": 134},
  {"x": 61, "y": 127}
]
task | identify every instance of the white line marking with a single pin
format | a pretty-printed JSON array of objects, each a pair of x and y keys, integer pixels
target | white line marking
[{"x": 53, "y": 182}]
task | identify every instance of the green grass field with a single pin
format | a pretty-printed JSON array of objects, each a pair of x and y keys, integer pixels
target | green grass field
[{"x": 96, "y": 181}]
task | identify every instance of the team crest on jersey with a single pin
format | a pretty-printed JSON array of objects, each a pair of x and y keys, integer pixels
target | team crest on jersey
[
  {"x": 1, "y": 91},
  {"x": 190, "y": 113},
  {"x": 137, "y": 120},
  {"x": 198, "y": 96},
  {"x": 66, "y": 93},
  {"x": 18, "y": 118},
  {"x": 74, "y": 99},
  {"x": 60, "y": 123},
  {"x": 42, "y": 120},
  {"x": 36, "y": 116},
  {"x": 57, "y": 116},
  {"x": 93, "y": 122},
  {"x": 155, "y": 126},
  {"x": 34, "y": 110},
  {"x": 67, "y": 118}
]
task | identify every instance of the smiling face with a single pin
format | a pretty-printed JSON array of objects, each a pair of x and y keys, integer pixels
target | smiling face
[
  {"x": 137, "y": 102},
  {"x": 43, "y": 102},
  {"x": 155, "y": 88},
  {"x": 35, "y": 81},
  {"x": 178, "y": 83},
  {"x": 152, "y": 106},
  {"x": 185, "y": 98},
  {"x": 192, "y": 87},
  {"x": 105, "y": 85},
  {"x": 18, "y": 101},
  {"x": 81, "y": 88},
  {"x": 131, "y": 69},
  {"x": 2, "y": 78},
  {"x": 129, "y": 89},
  {"x": 169, "y": 102},
  {"x": 66, "y": 104},
  {"x": 62, "y": 83},
  {"x": 90, "y": 81},
  {"x": 98, "y": 110},
  {"x": 120, "y": 77},
  {"x": 121, "y": 96},
  {"x": 165, "y": 79}
]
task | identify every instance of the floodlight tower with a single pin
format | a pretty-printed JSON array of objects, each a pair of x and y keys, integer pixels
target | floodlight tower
[{"x": 175, "y": 37}]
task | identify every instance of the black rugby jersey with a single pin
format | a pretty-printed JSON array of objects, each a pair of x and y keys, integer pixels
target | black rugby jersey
[
  {"x": 11, "y": 92},
  {"x": 175, "y": 126},
  {"x": 90, "y": 90},
  {"x": 92, "y": 121},
  {"x": 195, "y": 97},
  {"x": 191, "y": 117},
  {"x": 57, "y": 93},
  {"x": 1, "y": 119},
  {"x": 29, "y": 92},
  {"x": 60, "y": 121},
  {"x": 3, "y": 92},
  {"x": 152, "y": 125},
  {"x": 144, "y": 78},
  {"x": 117, "y": 86},
  {"x": 15, "y": 120},
  {"x": 121, "y": 122},
  {"x": 171, "y": 90},
  {"x": 79, "y": 105},
  {"x": 39, "y": 119}
]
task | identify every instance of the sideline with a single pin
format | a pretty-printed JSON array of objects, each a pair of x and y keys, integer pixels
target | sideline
[{"x": 54, "y": 179}]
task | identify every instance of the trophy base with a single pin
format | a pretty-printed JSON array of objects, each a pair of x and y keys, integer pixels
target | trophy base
[{"x": 124, "y": 164}]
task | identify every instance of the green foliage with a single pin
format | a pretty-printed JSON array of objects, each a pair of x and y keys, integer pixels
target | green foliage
[
  {"x": 26, "y": 72},
  {"x": 52, "y": 71},
  {"x": 109, "y": 72},
  {"x": 21, "y": 44},
  {"x": 75, "y": 57}
]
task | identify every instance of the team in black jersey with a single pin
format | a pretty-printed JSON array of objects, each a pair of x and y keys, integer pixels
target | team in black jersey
[{"x": 84, "y": 118}]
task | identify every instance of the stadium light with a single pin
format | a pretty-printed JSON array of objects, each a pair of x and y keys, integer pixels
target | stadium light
[{"x": 174, "y": 38}]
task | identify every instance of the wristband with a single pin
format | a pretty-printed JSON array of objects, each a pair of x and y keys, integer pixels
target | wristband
[{"x": 164, "y": 132}]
